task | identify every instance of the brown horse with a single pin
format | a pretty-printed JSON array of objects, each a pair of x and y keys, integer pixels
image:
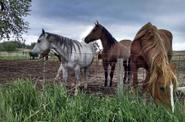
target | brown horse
[
  {"x": 152, "y": 50},
  {"x": 126, "y": 63},
  {"x": 112, "y": 50}
]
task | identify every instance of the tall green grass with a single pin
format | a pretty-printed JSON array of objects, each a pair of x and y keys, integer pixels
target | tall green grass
[{"x": 22, "y": 101}]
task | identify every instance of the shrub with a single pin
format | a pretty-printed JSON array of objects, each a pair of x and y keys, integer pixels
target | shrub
[{"x": 8, "y": 46}]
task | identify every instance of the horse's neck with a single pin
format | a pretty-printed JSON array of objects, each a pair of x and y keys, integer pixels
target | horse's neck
[
  {"x": 106, "y": 42},
  {"x": 61, "y": 51}
]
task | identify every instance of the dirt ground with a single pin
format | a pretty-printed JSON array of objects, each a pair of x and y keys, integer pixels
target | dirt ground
[
  {"x": 38, "y": 72},
  {"x": 35, "y": 70}
]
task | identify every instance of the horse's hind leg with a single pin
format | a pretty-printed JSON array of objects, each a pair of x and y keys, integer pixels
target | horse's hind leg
[
  {"x": 65, "y": 73},
  {"x": 105, "y": 66},
  {"x": 85, "y": 76},
  {"x": 134, "y": 73},
  {"x": 112, "y": 73}
]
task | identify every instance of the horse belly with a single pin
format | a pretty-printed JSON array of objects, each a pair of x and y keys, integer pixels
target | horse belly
[
  {"x": 86, "y": 60},
  {"x": 86, "y": 56},
  {"x": 81, "y": 59}
]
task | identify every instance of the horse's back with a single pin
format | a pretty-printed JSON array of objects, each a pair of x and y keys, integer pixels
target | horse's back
[
  {"x": 167, "y": 41},
  {"x": 126, "y": 42},
  {"x": 83, "y": 56},
  {"x": 139, "y": 43},
  {"x": 118, "y": 51}
]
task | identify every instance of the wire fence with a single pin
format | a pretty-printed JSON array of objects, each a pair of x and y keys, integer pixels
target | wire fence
[
  {"x": 14, "y": 65},
  {"x": 22, "y": 66}
]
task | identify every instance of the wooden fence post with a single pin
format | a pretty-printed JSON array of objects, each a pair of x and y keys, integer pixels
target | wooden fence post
[
  {"x": 120, "y": 76},
  {"x": 44, "y": 74}
]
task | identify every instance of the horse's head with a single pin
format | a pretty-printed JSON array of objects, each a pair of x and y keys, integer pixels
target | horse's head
[
  {"x": 95, "y": 46},
  {"x": 42, "y": 45},
  {"x": 95, "y": 33},
  {"x": 162, "y": 89}
]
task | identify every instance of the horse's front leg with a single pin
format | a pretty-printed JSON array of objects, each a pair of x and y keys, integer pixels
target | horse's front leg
[
  {"x": 77, "y": 75},
  {"x": 58, "y": 72},
  {"x": 145, "y": 81},
  {"x": 105, "y": 67},
  {"x": 65, "y": 73},
  {"x": 134, "y": 73},
  {"x": 112, "y": 72}
]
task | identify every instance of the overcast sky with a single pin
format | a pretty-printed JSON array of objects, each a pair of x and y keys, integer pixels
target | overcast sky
[{"x": 123, "y": 18}]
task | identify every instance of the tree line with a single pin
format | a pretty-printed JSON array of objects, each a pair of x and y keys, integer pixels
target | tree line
[{"x": 10, "y": 46}]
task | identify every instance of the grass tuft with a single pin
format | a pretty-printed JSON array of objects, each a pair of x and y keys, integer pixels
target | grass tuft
[{"x": 21, "y": 101}]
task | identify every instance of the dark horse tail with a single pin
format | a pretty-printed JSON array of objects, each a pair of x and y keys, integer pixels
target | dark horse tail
[{"x": 127, "y": 70}]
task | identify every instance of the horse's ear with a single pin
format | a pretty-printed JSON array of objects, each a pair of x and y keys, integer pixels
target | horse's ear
[
  {"x": 43, "y": 31},
  {"x": 97, "y": 23}
]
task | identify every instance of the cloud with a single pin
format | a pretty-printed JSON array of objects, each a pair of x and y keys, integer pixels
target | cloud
[{"x": 122, "y": 18}]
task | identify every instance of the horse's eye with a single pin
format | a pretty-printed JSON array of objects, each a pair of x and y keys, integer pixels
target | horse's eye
[
  {"x": 39, "y": 41},
  {"x": 162, "y": 88}
]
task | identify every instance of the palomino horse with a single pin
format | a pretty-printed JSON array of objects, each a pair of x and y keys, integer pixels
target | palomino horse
[
  {"x": 152, "y": 49},
  {"x": 112, "y": 50},
  {"x": 74, "y": 55}
]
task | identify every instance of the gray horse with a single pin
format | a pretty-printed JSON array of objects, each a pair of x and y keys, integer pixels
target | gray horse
[{"x": 74, "y": 55}]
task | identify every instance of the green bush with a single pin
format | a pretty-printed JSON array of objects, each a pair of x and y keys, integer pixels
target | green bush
[
  {"x": 14, "y": 45},
  {"x": 8, "y": 46}
]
